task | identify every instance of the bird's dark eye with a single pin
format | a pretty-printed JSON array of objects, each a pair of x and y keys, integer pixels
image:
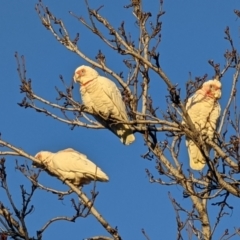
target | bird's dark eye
[{"x": 211, "y": 86}]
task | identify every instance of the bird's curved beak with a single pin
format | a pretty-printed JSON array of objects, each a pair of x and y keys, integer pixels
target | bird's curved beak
[
  {"x": 218, "y": 94},
  {"x": 37, "y": 156},
  {"x": 74, "y": 78}
]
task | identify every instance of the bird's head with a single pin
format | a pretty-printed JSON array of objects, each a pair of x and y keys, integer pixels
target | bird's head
[
  {"x": 84, "y": 74},
  {"x": 212, "y": 88},
  {"x": 43, "y": 157}
]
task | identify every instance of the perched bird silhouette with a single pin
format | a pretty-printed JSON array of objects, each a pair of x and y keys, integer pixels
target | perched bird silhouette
[
  {"x": 71, "y": 165},
  {"x": 103, "y": 96},
  {"x": 204, "y": 111}
]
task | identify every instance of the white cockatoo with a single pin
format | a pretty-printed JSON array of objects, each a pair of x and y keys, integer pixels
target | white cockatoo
[
  {"x": 103, "y": 96},
  {"x": 71, "y": 165},
  {"x": 204, "y": 111}
]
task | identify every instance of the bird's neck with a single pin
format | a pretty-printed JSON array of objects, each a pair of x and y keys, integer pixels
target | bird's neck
[{"x": 87, "y": 82}]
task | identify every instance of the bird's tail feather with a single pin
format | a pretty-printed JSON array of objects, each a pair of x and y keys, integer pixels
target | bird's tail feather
[
  {"x": 98, "y": 176},
  {"x": 124, "y": 133},
  {"x": 102, "y": 177},
  {"x": 197, "y": 160},
  {"x": 128, "y": 137}
]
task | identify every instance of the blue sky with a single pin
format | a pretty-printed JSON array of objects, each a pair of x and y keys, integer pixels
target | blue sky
[{"x": 192, "y": 33}]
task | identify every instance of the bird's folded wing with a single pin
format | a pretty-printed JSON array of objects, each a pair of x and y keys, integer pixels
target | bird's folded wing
[
  {"x": 111, "y": 90},
  {"x": 73, "y": 162},
  {"x": 73, "y": 151}
]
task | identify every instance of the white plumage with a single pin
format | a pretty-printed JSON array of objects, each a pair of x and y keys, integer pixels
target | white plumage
[
  {"x": 71, "y": 165},
  {"x": 204, "y": 111},
  {"x": 103, "y": 96}
]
